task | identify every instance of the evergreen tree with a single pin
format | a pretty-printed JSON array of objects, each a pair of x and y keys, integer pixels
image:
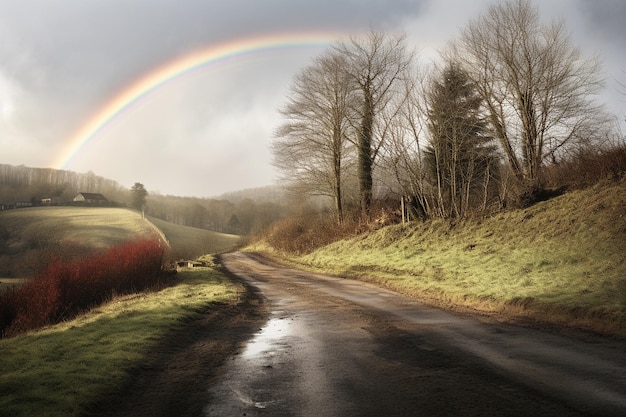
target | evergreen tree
[
  {"x": 460, "y": 153},
  {"x": 139, "y": 196}
]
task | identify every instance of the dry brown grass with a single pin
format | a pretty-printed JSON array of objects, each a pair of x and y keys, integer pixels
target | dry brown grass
[{"x": 307, "y": 232}]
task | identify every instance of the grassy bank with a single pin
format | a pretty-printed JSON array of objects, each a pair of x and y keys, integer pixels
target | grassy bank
[
  {"x": 560, "y": 261},
  {"x": 64, "y": 369}
]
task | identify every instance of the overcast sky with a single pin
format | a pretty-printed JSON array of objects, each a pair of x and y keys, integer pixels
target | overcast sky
[{"x": 208, "y": 133}]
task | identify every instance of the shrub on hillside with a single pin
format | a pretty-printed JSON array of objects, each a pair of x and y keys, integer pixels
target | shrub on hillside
[
  {"x": 299, "y": 235},
  {"x": 8, "y": 308},
  {"x": 583, "y": 169},
  {"x": 587, "y": 168},
  {"x": 302, "y": 234},
  {"x": 65, "y": 289}
]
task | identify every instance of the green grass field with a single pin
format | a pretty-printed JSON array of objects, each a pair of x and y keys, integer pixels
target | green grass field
[
  {"x": 30, "y": 237},
  {"x": 191, "y": 242},
  {"x": 65, "y": 369},
  {"x": 93, "y": 226},
  {"x": 561, "y": 261}
]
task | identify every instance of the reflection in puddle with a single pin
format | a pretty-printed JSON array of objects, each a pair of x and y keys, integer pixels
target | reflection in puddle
[
  {"x": 239, "y": 391},
  {"x": 246, "y": 400},
  {"x": 265, "y": 339}
]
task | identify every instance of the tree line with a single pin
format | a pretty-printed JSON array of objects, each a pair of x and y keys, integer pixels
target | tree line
[
  {"x": 28, "y": 184},
  {"x": 509, "y": 99},
  {"x": 241, "y": 216},
  {"x": 242, "y": 213}
]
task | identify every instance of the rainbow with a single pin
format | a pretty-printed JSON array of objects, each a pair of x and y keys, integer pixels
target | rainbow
[{"x": 176, "y": 69}]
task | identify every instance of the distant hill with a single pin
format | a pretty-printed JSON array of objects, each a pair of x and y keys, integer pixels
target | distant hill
[
  {"x": 31, "y": 237},
  {"x": 270, "y": 193}
]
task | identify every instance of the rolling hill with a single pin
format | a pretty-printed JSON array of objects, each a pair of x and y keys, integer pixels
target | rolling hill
[
  {"x": 30, "y": 237},
  {"x": 190, "y": 242}
]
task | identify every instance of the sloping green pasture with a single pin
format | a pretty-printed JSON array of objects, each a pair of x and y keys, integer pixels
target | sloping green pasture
[
  {"x": 190, "y": 242},
  {"x": 30, "y": 237},
  {"x": 561, "y": 261},
  {"x": 92, "y": 226}
]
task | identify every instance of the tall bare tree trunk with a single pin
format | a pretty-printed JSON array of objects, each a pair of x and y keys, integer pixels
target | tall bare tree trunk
[
  {"x": 364, "y": 152},
  {"x": 376, "y": 65}
]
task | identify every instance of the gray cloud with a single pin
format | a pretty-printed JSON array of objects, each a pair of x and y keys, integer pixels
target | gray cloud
[
  {"x": 607, "y": 18},
  {"x": 60, "y": 61}
]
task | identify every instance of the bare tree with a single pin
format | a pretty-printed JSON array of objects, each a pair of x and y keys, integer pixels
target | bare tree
[
  {"x": 622, "y": 91},
  {"x": 537, "y": 87},
  {"x": 403, "y": 153},
  {"x": 311, "y": 148},
  {"x": 375, "y": 64}
]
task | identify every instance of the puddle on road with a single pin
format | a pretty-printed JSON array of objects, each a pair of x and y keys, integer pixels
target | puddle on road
[
  {"x": 240, "y": 391},
  {"x": 247, "y": 401},
  {"x": 267, "y": 339}
]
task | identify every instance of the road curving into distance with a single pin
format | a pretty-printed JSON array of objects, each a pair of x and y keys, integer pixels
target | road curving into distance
[{"x": 338, "y": 347}]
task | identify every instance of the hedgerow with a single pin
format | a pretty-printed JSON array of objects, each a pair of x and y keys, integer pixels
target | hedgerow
[{"x": 65, "y": 289}]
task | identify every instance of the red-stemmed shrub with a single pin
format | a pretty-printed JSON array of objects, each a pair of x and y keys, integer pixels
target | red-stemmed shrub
[
  {"x": 8, "y": 309},
  {"x": 65, "y": 289}
]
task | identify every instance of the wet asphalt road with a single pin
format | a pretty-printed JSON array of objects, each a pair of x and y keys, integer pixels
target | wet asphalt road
[{"x": 337, "y": 347}]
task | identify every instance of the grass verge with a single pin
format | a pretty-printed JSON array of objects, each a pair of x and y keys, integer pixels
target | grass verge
[
  {"x": 560, "y": 261},
  {"x": 64, "y": 369}
]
